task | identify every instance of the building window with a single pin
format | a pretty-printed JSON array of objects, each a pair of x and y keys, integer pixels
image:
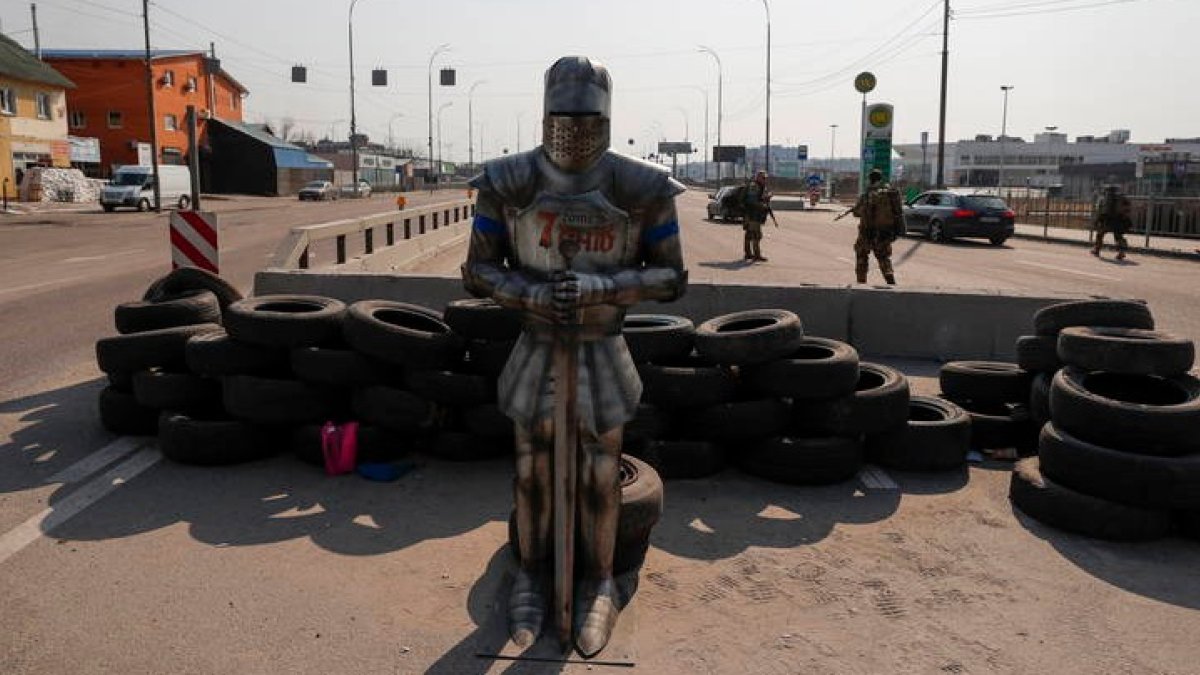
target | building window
[
  {"x": 173, "y": 156},
  {"x": 8, "y": 101},
  {"x": 43, "y": 105},
  {"x": 168, "y": 78},
  {"x": 170, "y": 122},
  {"x": 233, "y": 100},
  {"x": 76, "y": 119},
  {"x": 115, "y": 119},
  {"x": 192, "y": 84}
]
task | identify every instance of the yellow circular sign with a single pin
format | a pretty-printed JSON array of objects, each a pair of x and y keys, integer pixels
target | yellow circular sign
[
  {"x": 880, "y": 117},
  {"x": 864, "y": 82}
]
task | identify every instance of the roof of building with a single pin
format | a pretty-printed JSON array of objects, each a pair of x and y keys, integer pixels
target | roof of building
[
  {"x": 16, "y": 62},
  {"x": 132, "y": 55},
  {"x": 293, "y": 156}
]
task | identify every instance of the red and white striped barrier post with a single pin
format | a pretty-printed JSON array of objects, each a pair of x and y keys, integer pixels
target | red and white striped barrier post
[{"x": 194, "y": 240}]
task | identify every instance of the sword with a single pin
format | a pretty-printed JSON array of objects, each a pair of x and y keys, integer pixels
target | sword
[{"x": 566, "y": 444}]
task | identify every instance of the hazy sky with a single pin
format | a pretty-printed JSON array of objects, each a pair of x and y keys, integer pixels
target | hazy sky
[{"x": 1086, "y": 66}]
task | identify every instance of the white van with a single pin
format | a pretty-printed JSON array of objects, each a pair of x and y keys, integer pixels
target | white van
[{"x": 134, "y": 186}]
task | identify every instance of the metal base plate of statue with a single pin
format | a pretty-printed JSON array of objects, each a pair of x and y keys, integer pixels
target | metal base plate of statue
[{"x": 572, "y": 235}]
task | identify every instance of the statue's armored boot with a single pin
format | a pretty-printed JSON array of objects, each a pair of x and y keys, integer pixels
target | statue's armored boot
[
  {"x": 596, "y": 611},
  {"x": 526, "y": 608}
]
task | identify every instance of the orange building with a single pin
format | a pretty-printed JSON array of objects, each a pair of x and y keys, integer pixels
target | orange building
[{"x": 110, "y": 104}]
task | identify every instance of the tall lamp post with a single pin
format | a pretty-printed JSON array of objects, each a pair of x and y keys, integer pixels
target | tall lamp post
[
  {"x": 471, "y": 125},
  {"x": 392, "y": 145},
  {"x": 440, "y": 48},
  {"x": 687, "y": 135},
  {"x": 445, "y": 105},
  {"x": 707, "y": 137},
  {"x": 710, "y": 52},
  {"x": 353, "y": 117},
  {"x": 767, "y": 146},
  {"x": 519, "y": 116},
  {"x": 1003, "y": 138},
  {"x": 832, "y": 159}
]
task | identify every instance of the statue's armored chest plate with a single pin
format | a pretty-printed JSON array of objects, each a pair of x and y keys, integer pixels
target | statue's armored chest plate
[{"x": 606, "y": 236}]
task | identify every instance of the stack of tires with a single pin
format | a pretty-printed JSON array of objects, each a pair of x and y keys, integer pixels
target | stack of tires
[
  {"x": 146, "y": 362},
  {"x": 1120, "y": 457},
  {"x": 995, "y": 397}
]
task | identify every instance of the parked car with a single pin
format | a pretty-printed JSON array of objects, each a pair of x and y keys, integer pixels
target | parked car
[
  {"x": 724, "y": 205},
  {"x": 317, "y": 191},
  {"x": 943, "y": 216},
  {"x": 364, "y": 189},
  {"x": 134, "y": 186}
]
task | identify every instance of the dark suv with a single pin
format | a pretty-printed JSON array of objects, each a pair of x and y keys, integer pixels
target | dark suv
[
  {"x": 723, "y": 204},
  {"x": 943, "y": 216}
]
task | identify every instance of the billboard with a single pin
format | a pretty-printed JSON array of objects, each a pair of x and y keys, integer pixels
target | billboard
[
  {"x": 675, "y": 147},
  {"x": 729, "y": 153}
]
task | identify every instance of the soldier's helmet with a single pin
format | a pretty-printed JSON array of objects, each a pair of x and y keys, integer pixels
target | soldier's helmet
[
  {"x": 874, "y": 176},
  {"x": 576, "y": 114},
  {"x": 760, "y": 177}
]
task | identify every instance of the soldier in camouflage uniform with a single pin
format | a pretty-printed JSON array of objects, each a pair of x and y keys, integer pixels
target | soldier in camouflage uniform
[
  {"x": 755, "y": 204},
  {"x": 619, "y": 214},
  {"x": 1112, "y": 215},
  {"x": 881, "y": 220}
]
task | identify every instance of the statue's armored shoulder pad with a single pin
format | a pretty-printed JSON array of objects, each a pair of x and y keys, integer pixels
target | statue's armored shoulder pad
[
  {"x": 513, "y": 178},
  {"x": 638, "y": 181}
]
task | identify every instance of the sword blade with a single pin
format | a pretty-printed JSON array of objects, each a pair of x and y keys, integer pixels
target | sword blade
[{"x": 566, "y": 443}]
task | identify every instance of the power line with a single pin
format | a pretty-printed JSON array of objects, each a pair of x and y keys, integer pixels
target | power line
[{"x": 1046, "y": 10}]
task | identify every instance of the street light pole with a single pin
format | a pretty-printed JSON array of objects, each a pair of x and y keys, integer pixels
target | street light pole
[
  {"x": 445, "y": 105},
  {"x": 152, "y": 110},
  {"x": 709, "y": 50},
  {"x": 1003, "y": 138},
  {"x": 707, "y": 138},
  {"x": 519, "y": 116},
  {"x": 471, "y": 126},
  {"x": 391, "y": 144},
  {"x": 687, "y": 134},
  {"x": 941, "y": 150},
  {"x": 832, "y": 159},
  {"x": 767, "y": 146},
  {"x": 353, "y": 118},
  {"x": 440, "y": 48}
]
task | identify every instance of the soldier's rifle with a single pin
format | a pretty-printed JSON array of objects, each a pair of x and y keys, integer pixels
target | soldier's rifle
[{"x": 843, "y": 214}]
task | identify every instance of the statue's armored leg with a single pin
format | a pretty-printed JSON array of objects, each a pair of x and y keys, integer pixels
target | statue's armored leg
[
  {"x": 531, "y": 487},
  {"x": 597, "y": 607}
]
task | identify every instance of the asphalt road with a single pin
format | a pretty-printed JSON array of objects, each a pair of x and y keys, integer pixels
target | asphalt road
[{"x": 273, "y": 567}]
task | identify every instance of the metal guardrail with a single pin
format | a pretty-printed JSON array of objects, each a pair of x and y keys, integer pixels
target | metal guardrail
[
  {"x": 1176, "y": 217},
  {"x": 294, "y": 251}
]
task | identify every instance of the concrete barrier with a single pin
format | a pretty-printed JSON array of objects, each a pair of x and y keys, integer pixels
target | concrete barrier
[{"x": 905, "y": 322}]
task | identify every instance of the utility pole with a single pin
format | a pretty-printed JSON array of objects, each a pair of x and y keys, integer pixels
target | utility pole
[
  {"x": 767, "y": 147},
  {"x": 440, "y": 48},
  {"x": 1003, "y": 138},
  {"x": 37, "y": 37},
  {"x": 353, "y": 119},
  {"x": 941, "y": 151},
  {"x": 212, "y": 80},
  {"x": 193, "y": 157},
  {"x": 709, "y": 50},
  {"x": 151, "y": 108}
]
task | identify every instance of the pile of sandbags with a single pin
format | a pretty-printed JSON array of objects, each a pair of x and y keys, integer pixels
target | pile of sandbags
[{"x": 43, "y": 184}]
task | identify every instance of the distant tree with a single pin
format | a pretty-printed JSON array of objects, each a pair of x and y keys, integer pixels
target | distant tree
[{"x": 286, "y": 126}]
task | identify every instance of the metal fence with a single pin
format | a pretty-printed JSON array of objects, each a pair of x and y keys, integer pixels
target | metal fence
[{"x": 1177, "y": 217}]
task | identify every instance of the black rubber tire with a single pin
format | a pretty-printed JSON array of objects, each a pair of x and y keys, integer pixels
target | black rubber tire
[
  {"x": 1039, "y": 398},
  {"x": 286, "y": 321},
  {"x": 488, "y": 358},
  {"x": 1063, "y": 508},
  {"x": 1038, "y": 353},
  {"x": 1135, "y": 413},
  {"x": 818, "y": 368},
  {"x": 461, "y": 446},
  {"x": 658, "y": 338},
  {"x": 735, "y": 422},
  {"x": 121, "y": 414},
  {"x": 985, "y": 382},
  {"x": 121, "y": 381},
  {"x": 682, "y": 460},
  {"x": 403, "y": 334},
  {"x": 686, "y": 382},
  {"x": 1131, "y": 351},
  {"x": 186, "y": 309},
  {"x": 271, "y": 401},
  {"x": 189, "y": 279},
  {"x": 164, "y": 390},
  {"x": 162, "y": 348},
  {"x": 648, "y": 425},
  {"x": 211, "y": 441},
  {"x": 1137, "y": 480},
  {"x": 215, "y": 354},
  {"x": 749, "y": 337},
  {"x": 1115, "y": 313},
  {"x": 342, "y": 368},
  {"x": 487, "y": 421},
  {"x": 374, "y": 444},
  {"x": 878, "y": 404},
  {"x": 804, "y": 460},
  {"x": 457, "y": 390},
  {"x": 936, "y": 438},
  {"x": 1001, "y": 425},
  {"x": 1188, "y": 524},
  {"x": 393, "y": 408},
  {"x": 482, "y": 319}
]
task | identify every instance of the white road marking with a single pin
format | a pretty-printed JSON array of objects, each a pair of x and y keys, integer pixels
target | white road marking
[
  {"x": 875, "y": 478},
  {"x": 98, "y": 460},
  {"x": 89, "y": 258},
  {"x": 1068, "y": 271},
  {"x": 29, "y": 531},
  {"x": 845, "y": 260},
  {"x": 44, "y": 284}
]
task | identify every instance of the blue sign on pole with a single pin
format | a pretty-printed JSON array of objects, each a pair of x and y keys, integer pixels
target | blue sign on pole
[{"x": 814, "y": 180}]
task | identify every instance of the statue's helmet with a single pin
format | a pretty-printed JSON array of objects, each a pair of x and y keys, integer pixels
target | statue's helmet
[{"x": 578, "y": 108}]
